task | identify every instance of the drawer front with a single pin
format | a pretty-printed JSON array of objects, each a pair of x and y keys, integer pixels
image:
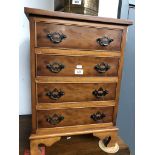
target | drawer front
[
  {"x": 71, "y": 117},
  {"x": 77, "y": 37},
  {"x": 75, "y": 92},
  {"x": 51, "y": 65}
]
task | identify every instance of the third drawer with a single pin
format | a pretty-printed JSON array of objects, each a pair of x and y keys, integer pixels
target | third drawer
[{"x": 75, "y": 92}]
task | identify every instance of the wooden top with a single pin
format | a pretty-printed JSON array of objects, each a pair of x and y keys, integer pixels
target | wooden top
[{"x": 57, "y": 14}]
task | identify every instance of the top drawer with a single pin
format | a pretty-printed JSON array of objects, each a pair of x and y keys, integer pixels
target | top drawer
[{"x": 78, "y": 37}]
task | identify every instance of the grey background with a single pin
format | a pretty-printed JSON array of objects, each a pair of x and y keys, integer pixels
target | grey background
[{"x": 126, "y": 113}]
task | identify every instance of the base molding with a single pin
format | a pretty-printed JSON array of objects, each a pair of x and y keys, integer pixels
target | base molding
[{"x": 107, "y": 135}]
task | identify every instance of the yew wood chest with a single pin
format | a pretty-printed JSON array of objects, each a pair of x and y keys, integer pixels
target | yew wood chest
[{"x": 76, "y": 69}]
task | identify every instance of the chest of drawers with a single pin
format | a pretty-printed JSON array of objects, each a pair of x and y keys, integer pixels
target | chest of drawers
[{"x": 76, "y": 68}]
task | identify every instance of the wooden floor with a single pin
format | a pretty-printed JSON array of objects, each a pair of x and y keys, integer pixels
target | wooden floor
[{"x": 77, "y": 145}]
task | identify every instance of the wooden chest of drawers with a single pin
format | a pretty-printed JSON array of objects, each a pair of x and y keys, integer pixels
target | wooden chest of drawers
[{"x": 76, "y": 67}]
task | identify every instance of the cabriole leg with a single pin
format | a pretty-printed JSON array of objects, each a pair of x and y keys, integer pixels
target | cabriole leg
[
  {"x": 34, "y": 143},
  {"x": 108, "y": 141}
]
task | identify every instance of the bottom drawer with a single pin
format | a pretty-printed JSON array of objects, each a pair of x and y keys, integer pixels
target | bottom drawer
[{"x": 75, "y": 116}]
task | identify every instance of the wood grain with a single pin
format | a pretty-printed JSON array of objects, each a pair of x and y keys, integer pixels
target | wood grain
[
  {"x": 69, "y": 22},
  {"x": 48, "y": 79},
  {"x": 74, "y": 130},
  {"x": 61, "y": 15},
  {"x": 68, "y": 105},
  {"x": 121, "y": 63},
  {"x": 75, "y": 92},
  {"x": 74, "y": 116},
  {"x": 32, "y": 64},
  {"x": 70, "y": 64},
  {"x": 74, "y": 52},
  {"x": 77, "y": 37}
]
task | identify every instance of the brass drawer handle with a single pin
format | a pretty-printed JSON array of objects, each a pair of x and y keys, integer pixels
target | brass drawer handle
[
  {"x": 55, "y": 67},
  {"x": 55, "y": 94},
  {"x": 104, "y": 41},
  {"x": 97, "y": 116},
  {"x": 56, "y": 37},
  {"x": 100, "y": 92},
  {"x": 102, "y": 68},
  {"x": 54, "y": 119}
]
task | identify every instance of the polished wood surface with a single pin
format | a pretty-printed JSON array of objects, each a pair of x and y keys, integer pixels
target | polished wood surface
[
  {"x": 45, "y": 79},
  {"x": 70, "y": 64},
  {"x": 120, "y": 71},
  {"x": 32, "y": 64},
  {"x": 77, "y": 37},
  {"x": 75, "y": 52},
  {"x": 75, "y": 92},
  {"x": 52, "y": 14},
  {"x": 66, "y": 105},
  {"x": 76, "y": 116},
  {"x": 73, "y": 130}
]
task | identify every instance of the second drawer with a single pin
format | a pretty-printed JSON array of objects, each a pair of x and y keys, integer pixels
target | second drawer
[
  {"x": 54, "y": 65},
  {"x": 75, "y": 92}
]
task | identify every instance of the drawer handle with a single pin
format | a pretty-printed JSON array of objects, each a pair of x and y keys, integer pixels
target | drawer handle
[
  {"x": 54, "y": 119},
  {"x": 104, "y": 41},
  {"x": 55, "y": 94},
  {"x": 56, "y": 37},
  {"x": 97, "y": 116},
  {"x": 100, "y": 93},
  {"x": 102, "y": 68},
  {"x": 55, "y": 67}
]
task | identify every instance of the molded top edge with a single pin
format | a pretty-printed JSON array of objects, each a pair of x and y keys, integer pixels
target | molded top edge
[{"x": 56, "y": 14}]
